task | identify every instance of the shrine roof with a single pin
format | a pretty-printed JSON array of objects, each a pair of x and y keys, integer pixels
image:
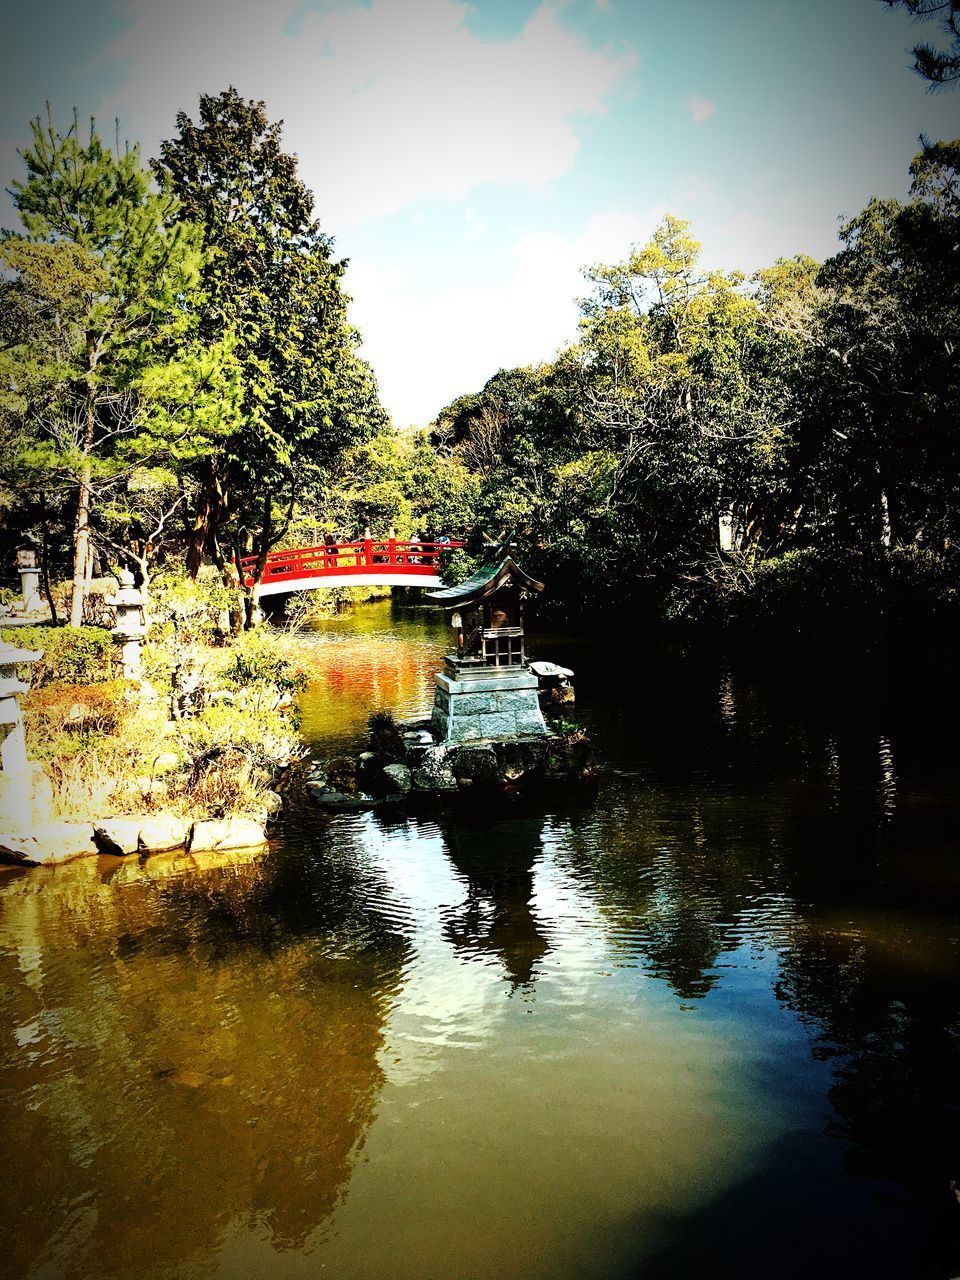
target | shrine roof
[{"x": 487, "y": 579}]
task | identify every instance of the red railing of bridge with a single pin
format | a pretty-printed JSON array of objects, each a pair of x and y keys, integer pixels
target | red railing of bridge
[{"x": 363, "y": 558}]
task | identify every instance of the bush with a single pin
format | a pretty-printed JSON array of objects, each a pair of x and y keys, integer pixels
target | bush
[
  {"x": 261, "y": 658},
  {"x": 265, "y": 733},
  {"x": 191, "y": 610},
  {"x": 78, "y": 707},
  {"x": 924, "y": 584},
  {"x": 385, "y": 736},
  {"x": 80, "y": 655}
]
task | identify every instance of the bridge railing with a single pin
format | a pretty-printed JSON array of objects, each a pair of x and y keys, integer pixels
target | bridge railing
[{"x": 363, "y": 557}]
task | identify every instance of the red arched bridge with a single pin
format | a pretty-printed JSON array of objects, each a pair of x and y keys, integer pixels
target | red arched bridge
[{"x": 390, "y": 562}]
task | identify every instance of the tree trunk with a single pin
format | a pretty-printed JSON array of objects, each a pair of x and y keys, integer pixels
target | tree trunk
[
  {"x": 199, "y": 534},
  {"x": 886, "y": 531},
  {"x": 81, "y": 526},
  {"x": 207, "y": 521},
  {"x": 254, "y": 615},
  {"x": 45, "y": 560},
  {"x": 81, "y": 545}
]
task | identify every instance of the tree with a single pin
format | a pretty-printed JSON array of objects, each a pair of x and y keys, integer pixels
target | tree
[
  {"x": 940, "y": 67},
  {"x": 880, "y": 444},
  {"x": 97, "y": 333},
  {"x": 270, "y": 280}
]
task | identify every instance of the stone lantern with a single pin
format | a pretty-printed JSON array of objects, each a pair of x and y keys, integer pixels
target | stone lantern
[
  {"x": 131, "y": 627},
  {"x": 18, "y": 789},
  {"x": 28, "y": 566}
]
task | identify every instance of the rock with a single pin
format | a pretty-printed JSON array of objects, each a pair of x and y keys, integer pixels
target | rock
[
  {"x": 53, "y": 842},
  {"x": 475, "y": 766},
  {"x": 397, "y": 778},
  {"x": 434, "y": 772},
  {"x": 342, "y": 767},
  {"x": 369, "y": 764},
  {"x": 272, "y": 803},
  {"x": 516, "y": 760},
  {"x": 226, "y": 833},
  {"x": 162, "y": 831},
  {"x": 118, "y": 836},
  {"x": 165, "y": 762},
  {"x": 557, "y": 700},
  {"x": 341, "y": 801}
]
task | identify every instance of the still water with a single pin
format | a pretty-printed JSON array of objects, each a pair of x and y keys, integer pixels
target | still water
[{"x": 701, "y": 1018}]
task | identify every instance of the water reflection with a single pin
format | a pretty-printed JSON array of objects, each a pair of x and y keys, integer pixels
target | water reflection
[
  {"x": 732, "y": 1047},
  {"x": 496, "y": 917},
  {"x": 188, "y": 1056}
]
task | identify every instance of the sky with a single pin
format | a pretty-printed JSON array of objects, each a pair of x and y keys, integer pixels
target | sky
[{"x": 470, "y": 159}]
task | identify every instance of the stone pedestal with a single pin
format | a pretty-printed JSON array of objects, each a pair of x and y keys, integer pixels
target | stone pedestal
[
  {"x": 22, "y": 796},
  {"x": 33, "y": 601},
  {"x": 474, "y": 703}
]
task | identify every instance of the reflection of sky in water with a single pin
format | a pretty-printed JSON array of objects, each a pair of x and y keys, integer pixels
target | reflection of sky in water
[{"x": 701, "y": 1021}]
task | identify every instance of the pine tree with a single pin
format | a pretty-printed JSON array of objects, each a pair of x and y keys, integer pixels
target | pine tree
[
  {"x": 270, "y": 279},
  {"x": 101, "y": 359}
]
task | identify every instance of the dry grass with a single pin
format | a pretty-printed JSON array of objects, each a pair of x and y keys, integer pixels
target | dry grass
[{"x": 109, "y": 748}]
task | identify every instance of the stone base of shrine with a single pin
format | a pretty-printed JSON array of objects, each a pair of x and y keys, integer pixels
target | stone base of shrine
[{"x": 490, "y": 703}]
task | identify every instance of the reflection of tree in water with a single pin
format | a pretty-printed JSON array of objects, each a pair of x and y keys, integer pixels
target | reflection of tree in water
[
  {"x": 670, "y": 881},
  {"x": 496, "y": 917},
  {"x": 883, "y": 998},
  {"x": 806, "y": 825},
  {"x": 193, "y": 1058}
]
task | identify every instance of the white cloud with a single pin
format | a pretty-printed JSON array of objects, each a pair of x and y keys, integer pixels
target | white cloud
[
  {"x": 700, "y": 108},
  {"x": 429, "y": 348},
  {"x": 387, "y": 105}
]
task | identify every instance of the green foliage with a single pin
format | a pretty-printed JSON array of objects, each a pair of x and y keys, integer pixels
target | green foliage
[
  {"x": 268, "y": 282},
  {"x": 263, "y": 731},
  {"x": 940, "y": 67},
  {"x": 192, "y": 609},
  {"x": 385, "y": 736},
  {"x": 100, "y": 360},
  {"x": 714, "y": 447},
  {"x": 78, "y": 655},
  {"x": 260, "y": 658}
]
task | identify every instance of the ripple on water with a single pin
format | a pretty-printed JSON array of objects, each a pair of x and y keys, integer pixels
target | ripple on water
[{"x": 559, "y": 1036}]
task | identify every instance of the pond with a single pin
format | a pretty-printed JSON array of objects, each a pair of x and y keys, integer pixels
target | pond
[{"x": 700, "y": 1017}]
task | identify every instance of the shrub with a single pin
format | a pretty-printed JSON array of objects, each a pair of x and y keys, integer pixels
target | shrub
[
  {"x": 81, "y": 655},
  {"x": 924, "y": 584},
  {"x": 815, "y": 587},
  {"x": 191, "y": 610},
  {"x": 78, "y": 707},
  {"x": 259, "y": 729},
  {"x": 261, "y": 658},
  {"x": 385, "y": 735}
]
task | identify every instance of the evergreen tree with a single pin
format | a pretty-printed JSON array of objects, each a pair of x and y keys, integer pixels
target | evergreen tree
[
  {"x": 98, "y": 367},
  {"x": 270, "y": 280},
  {"x": 940, "y": 67}
]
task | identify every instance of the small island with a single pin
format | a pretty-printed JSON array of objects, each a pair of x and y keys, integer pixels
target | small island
[{"x": 487, "y": 728}]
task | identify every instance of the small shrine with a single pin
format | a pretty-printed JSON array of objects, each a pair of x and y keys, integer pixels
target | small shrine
[{"x": 485, "y": 690}]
